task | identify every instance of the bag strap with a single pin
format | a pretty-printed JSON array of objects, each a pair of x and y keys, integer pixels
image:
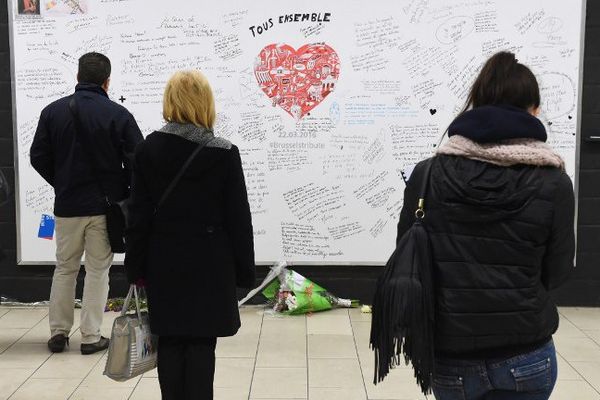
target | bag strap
[
  {"x": 420, "y": 212},
  {"x": 133, "y": 292},
  {"x": 175, "y": 180},
  {"x": 79, "y": 128}
]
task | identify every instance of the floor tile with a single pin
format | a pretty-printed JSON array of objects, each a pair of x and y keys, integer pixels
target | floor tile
[
  {"x": 399, "y": 384},
  {"x": 9, "y": 336},
  {"x": 292, "y": 326},
  {"x": 567, "y": 329},
  {"x": 583, "y": 318},
  {"x": 574, "y": 390},
  {"x": 147, "y": 389},
  {"x": 566, "y": 371},
  {"x": 251, "y": 324},
  {"x": 230, "y": 393},
  {"x": 594, "y": 335},
  {"x": 279, "y": 383},
  {"x": 590, "y": 372},
  {"x": 69, "y": 364},
  {"x": 24, "y": 355},
  {"x": 94, "y": 393},
  {"x": 282, "y": 351},
  {"x": 233, "y": 377},
  {"x": 334, "y": 312},
  {"x": 362, "y": 332},
  {"x": 39, "y": 334},
  {"x": 334, "y": 373},
  {"x": 331, "y": 346},
  {"x": 577, "y": 349},
  {"x": 395, "y": 390},
  {"x": 248, "y": 312},
  {"x": 362, "y": 329},
  {"x": 357, "y": 315},
  {"x": 337, "y": 394},
  {"x": 11, "y": 379},
  {"x": 46, "y": 389},
  {"x": 23, "y": 318},
  {"x": 336, "y": 323},
  {"x": 238, "y": 346}
]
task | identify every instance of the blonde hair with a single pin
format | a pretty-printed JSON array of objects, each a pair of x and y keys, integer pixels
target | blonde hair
[{"x": 188, "y": 98}]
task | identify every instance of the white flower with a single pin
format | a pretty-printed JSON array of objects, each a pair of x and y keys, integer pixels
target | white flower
[{"x": 291, "y": 302}]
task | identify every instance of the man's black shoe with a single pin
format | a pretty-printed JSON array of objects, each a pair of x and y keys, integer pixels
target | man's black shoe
[
  {"x": 91, "y": 348},
  {"x": 57, "y": 343}
]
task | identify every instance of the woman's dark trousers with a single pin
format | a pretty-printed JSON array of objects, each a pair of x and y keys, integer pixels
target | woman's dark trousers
[{"x": 186, "y": 367}]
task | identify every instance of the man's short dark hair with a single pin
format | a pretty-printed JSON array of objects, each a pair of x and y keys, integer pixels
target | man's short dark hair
[{"x": 93, "y": 68}]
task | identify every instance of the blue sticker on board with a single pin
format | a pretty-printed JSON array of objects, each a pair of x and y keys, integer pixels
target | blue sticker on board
[
  {"x": 334, "y": 113},
  {"x": 46, "y": 227}
]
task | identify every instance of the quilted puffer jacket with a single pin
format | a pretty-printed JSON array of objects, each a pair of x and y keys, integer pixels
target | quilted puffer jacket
[{"x": 502, "y": 238}]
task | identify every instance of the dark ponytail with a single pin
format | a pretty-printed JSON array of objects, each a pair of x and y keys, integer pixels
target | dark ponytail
[{"x": 503, "y": 80}]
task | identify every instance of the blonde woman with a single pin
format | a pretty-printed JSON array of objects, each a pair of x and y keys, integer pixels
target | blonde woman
[{"x": 192, "y": 249}]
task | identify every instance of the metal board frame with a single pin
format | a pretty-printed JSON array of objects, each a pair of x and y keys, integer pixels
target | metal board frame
[
  {"x": 578, "y": 133},
  {"x": 12, "y": 9}
]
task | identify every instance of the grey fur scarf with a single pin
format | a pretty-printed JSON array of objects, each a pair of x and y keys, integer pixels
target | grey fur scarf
[
  {"x": 202, "y": 136},
  {"x": 190, "y": 132}
]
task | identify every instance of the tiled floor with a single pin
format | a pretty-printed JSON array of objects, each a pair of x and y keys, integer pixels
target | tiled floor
[{"x": 323, "y": 356}]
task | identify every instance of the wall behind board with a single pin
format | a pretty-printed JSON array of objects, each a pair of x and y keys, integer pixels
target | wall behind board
[
  {"x": 32, "y": 283},
  {"x": 584, "y": 286}
]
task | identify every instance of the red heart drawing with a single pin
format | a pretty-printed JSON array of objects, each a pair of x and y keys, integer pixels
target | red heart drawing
[{"x": 297, "y": 80}]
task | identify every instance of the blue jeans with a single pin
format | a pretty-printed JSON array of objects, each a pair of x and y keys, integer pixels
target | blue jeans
[{"x": 529, "y": 376}]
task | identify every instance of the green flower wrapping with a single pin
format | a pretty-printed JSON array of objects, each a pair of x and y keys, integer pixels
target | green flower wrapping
[{"x": 293, "y": 294}]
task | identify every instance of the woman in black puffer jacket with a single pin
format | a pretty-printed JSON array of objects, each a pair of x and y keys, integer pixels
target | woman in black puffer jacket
[{"x": 500, "y": 214}]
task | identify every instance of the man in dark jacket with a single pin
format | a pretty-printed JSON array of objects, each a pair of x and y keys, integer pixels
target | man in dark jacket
[{"x": 86, "y": 168}]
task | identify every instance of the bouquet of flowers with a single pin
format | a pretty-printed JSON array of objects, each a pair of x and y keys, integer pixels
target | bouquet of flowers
[{"x": 293, "y": 294}]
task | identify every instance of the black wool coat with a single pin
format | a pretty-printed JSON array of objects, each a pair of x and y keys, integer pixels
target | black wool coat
[{"x": 199, "y": 245}]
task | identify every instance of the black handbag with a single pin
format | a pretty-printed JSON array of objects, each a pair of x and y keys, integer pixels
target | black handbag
[
  {"x": 116, "y": 223},
  {"x": 402, "y": 322}
]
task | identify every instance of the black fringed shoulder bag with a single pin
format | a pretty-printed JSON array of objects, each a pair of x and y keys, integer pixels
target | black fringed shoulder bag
[{"x": 403, "y": 306}]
